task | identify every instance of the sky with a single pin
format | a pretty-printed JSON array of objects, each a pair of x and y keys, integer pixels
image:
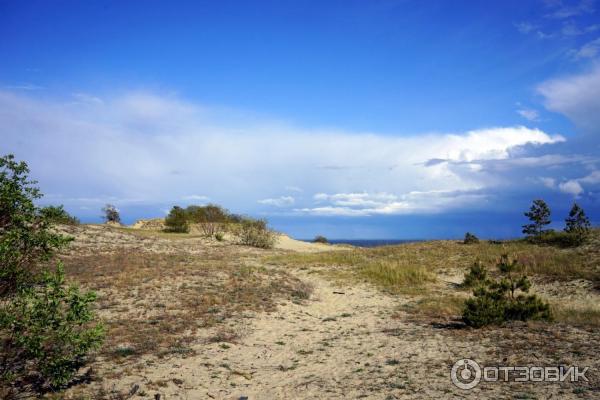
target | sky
[{"x": 350, "y": 119}]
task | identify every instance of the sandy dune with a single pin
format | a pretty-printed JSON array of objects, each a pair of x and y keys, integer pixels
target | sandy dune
[
  {"x": 284, "y": 242},
  {"x": 344, "y": 342}
]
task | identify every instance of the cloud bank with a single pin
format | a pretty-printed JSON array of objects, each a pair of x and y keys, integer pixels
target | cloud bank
[
  {"x": 575, "y": 96},
  {"x": 151, "y": 150}
]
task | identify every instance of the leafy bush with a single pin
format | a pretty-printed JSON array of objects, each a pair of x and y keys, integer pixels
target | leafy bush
[
  {"x": 558, "y": 239},
  {"x": 45, "y": 329},
  {"x": 58, "y": 215},
  {"x": 26, "y": 239},
  {"x": 539, "y": 215},
  {"x": 219, "y": 236},
  {"x": 506, "y": 299},
  {"x": 320, "y": 239},
  {"x": 212, "y": 218},
  {"x": 47, "y": 332},
  {"x": 470, "y": 238},
  {"x": 476, "y": 276},
  {"x": 255, "y": 233},
  {"x": 176, "y": 221},
  {"x": 111, "y": 214}
]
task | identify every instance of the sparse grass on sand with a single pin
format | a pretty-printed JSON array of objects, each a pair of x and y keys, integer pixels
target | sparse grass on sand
[
  {"x": 185, "y": 318},
  {"x": 578, "y": 316},
  {"x": 415, "y": 264},
  {"x": 436, "y": 306},
  {"x": 154, "y": 303}
]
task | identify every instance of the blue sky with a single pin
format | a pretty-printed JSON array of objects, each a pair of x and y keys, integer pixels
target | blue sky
[{"x": 352, "y": 119}]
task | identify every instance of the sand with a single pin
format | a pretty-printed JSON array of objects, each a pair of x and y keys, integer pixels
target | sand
[{"x": 345, "y": 342}]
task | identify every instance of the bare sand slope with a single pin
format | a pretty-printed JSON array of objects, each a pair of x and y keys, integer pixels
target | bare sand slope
[
  {"x": 284, "y": 242},
  {"x": 344, "y": 343},
  {"x": 347, "y": 341}
]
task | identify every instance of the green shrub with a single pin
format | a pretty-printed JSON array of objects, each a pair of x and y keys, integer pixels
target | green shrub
[
  {"x": 219, "y": 236},
  {"x": 320, "y": 239},
  {"x": 506, "y": 299},
  {"x": 470, "y": 238},
  {"x": 26, "y": 237},
  {"x": 176, "y": 221},
  {"x": 558, "y": 239},
  {"x": 45, "y": 328},
  {"x": 476, "y": 276},
  {"x": 211, "y": 217},
  {"x": 47, "y": 332},
  {"x": 255, "y": 233},
  {"x": 58, "y": 215}
]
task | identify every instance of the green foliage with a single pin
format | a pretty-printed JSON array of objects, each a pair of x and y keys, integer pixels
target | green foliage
[
  {"x": 26, "y": 239},
  {"x": 505, "y": 299},
  {"x": 47, "y": 332},
  {"x": 44, "y": 332},
  {"x": 539, "y": 215},
  {"x": 111, "y": 214},
  {"x": 577, "y": 224},
  {"x": 176, "y": 221},
  {"x": 476, "y": 276},
  {"x": 320, "y": 239},
  {"x": 211, "y": 217},
  {"x": 559, "y": 239},
  {"x": 255, "y": 233},
  {"x": 58, "y": 215},
  {"x": 470, "y": 238},
  {"x": 219, "y": 236}
]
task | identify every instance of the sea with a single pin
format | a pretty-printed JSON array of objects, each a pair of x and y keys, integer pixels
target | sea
[{"x": 370, "y": 242}]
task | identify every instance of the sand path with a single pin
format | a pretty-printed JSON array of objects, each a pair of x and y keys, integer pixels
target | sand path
[{"x": 342, "y": 343}]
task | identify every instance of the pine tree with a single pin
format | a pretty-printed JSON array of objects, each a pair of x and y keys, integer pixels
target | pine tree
[
  {"x": 539, "y": 215},
  {"x": 176, "y": 221},
  {"x": 577, "y": 223}
]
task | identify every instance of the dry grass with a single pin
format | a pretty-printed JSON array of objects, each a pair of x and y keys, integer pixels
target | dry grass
[
  {"x": 396, "y": 275},
  {"x": 584, "y": 316},
  {"x": 155, "y": 303},
  {"x": 159, "y": 234},
  {"x": 437, "y": 306},
  {"x": 435, "y": 256}
]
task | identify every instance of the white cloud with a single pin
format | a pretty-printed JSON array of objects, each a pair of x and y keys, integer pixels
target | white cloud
[
  {"x": 367, "y": 204},
  {"x": 592, "y": 178},
  {"x": 293, "y": 189},
  {"x": 156, "y": 149},
  {"x": 570, "y": 29},
  {"x": 571, "y": 187},
  {"x": 531, "y": 115},
  {"x": 588, "y": 50},
  {"x": 563, "y": 10},
  {"x": 195, "y": 197},
  {"x": 548, "y": 182},
  {"x": 525, "y": 27},
  {"x": 24, "y": 86},
  {"x": 86, "y": 98},
  {"x": 576, "y": 97},
  {"x": 592, "y": 28},
  {"x": 575, "y": 187},
  {"x": 283, "y": 201}
]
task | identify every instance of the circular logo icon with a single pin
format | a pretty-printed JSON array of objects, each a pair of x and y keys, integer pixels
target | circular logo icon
[{"x": 465, "y": 374}]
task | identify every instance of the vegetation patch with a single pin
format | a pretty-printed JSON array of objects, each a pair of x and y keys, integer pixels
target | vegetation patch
[
  {"x": 577, "y": 316},
  {"x": 155, "y": 302},
  {"x": 437, "y": 306},
  {"x": 506, "y": 299}
]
